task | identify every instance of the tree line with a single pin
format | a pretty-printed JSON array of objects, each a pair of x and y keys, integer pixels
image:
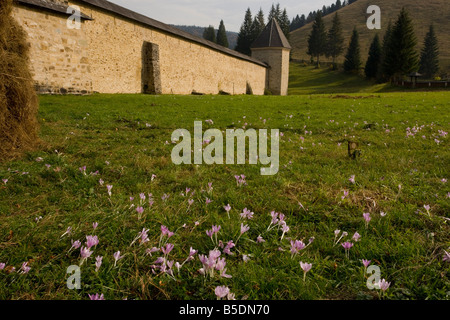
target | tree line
[
  {"x": 394, "y": 56},
  {"x": 220, "y": 37},
  {"x": 300, "y": 21},
  {"x": 252, "y": 27}
]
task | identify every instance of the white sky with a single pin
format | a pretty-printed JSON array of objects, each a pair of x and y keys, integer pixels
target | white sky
[{"x": 209, "y": 12}]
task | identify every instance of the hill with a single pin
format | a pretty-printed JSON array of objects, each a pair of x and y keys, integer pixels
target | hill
[
  {"x": 423, "y": 13},
  {"x": 198, "y": 31}
]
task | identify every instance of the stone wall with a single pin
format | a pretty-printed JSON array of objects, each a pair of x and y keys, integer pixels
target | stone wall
[
  {"x": 105, "y": 56},
  {"x": 59, "y": 55}
]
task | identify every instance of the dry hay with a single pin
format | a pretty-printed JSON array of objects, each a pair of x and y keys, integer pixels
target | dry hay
[{"x": 18, "y": 99}]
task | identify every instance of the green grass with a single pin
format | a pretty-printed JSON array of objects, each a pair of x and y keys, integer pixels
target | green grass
[{"x": 108, "y": 134}]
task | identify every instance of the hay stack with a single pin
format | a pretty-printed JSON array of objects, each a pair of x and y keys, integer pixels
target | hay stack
[{"x": 18, "y": 99}]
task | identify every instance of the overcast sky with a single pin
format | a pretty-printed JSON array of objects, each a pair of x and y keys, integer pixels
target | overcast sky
[{"x": 210, "y": 12}]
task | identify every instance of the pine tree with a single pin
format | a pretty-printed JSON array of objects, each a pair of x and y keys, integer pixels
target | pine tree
[
  {"x": 352, "y": 61},
  {"x": 429, "y": 58},
  {"x": 384, "y": 71},
  {"x": 335, "y": 45},
  {"x": 246, "y": 34},
  {"x": 284, "y": 23},
  {"x": 258, "y": 25},
  {"x": 373, "y": 62},
  {"x": 317, "y": 41},
  {"x": 222, "y": 38},
  {"x": 272, "y": 13},
  {"x": 210, "y": 34},
  {"x": 401, "y": 56}
]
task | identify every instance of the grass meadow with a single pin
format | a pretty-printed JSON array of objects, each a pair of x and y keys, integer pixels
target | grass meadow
[{"x": 105, "y": 178}]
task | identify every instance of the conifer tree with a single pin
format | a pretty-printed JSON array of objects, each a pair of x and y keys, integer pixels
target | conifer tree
[
  {"x": 284, "y": 23},
  {"x": 317, "y": 41},
  {"x": 429, "y": 59},
  {"x": 373, "y": 62},
  {"x": 335, "y": 45},
  {"x": 222, "y": 38},
  {"x": 384, "y": 71},
  {"x": 210, "y": 34},
  {"x": 246, "y": 34},
  {"x": 258, "y": 25},
  {"x": 352, "y": 61},
  {"x": 401, "y": 56}
]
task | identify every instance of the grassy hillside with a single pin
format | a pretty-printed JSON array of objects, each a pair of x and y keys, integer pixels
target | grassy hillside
[{"x": 423, "y": 14}]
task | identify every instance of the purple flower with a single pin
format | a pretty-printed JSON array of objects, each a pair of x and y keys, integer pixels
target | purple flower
[
  {"x": 208, "y": 201},
  {"x": 247, "y": 214},
  {"x": 367, "y": 218},
  {"x": 109, "y": 187},
  {"x": 98, "y": 263},
  {"x": 296, "y": 246},
  {"x": 305, "y": 266},
  {"x": 191, "y": 201},
  {"x": 142, "y": 196},
  {"x": 221, "y": 292},
  {"x": 427, "y": 207},
  {"x": 101, "y": 182},
  {"x": 2, "y": 266},
  {"x": 260, "y": 239},
  {"x": 95, "y": 225},
  {"x": 96, "y": 296},
  {"x": 117, "y": 257},
  {"x": 75, "y": 244},
  {"x": 384, "y": 285},
  {"x": 352, "y": 179},
  {"x": 347, "y": 245},
  {"x": 5, "y": 181},
  {"x": 192, "y": 252},
  {"x": 446, "y": 256},
  {"x": 365, "y": 262},
  {"x": 356, "y": 237},
  {"x": 25, "y": 268},
  {"x": 91, "y": 241},
  {"x": 166, "y": 232},
  {"x": 167, "y": 249},
  {"x": 85, "y": 253},
  {"x": 140, "y": 210},
  {"x": 244, "y": 229},
  {"x": 227, "y": 208},
  {"x": 165, "y": 197}
]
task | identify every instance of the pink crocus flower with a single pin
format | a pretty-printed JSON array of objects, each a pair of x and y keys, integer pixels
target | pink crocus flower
[
  {"x": 91, "y": 241},
  {"x": 384, "y": 285},
  {"x": 95, "y": 225},
  {"x": 227, "y": 208},
  {"x": 190, "y": 202},
  {"x": 208, "y": 201},
  {"x": 446, "y": 256},
  {"x": 96, "y": 296},
  {"x": 352, "y": 179},
  {"x": 117, "y": 257},
  {"x": 166, "y": 250},
  {"x": 260, "y": 239},
  {"x": 109, "y": 187},
  {"x": 5, "y": 181},
  {"x": 244, "y": 229},
  {"x": 367, "y": 218},
  {"x": 221, "y": 292},
  {"x": 347, "y": 245},
  {"x": 140, "y": 210},
  {"x": 25, "y": 268},
  {"x": 2, "y": 265},
  {"x": 75, "y": 244},
  {"x": 356, "y": 237},
  {"x": 98, "y": 263},
  {"x": 85, "y": 253},
  {"x": 305, "y": 267},
  {"x": 247, "y": 214},
  {"x": 365, "y": 262}
]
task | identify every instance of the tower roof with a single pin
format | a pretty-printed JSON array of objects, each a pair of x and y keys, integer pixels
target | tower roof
[{"x": 271, "y": 36}]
